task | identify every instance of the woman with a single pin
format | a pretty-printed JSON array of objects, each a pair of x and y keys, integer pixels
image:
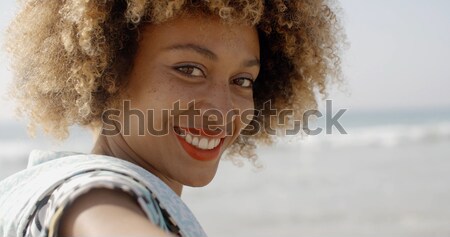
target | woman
[{"x": 146, "y": 76}]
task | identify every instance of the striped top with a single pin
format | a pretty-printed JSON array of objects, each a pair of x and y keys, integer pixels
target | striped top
[{"x": 33, "y": 201}]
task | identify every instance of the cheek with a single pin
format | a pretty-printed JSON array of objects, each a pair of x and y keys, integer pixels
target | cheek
[
  {"x": 152, "y": 90},
  {"x": 246, "y": 111}
]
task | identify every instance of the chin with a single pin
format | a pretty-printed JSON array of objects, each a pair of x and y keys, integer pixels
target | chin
[{"x": 199, "y": 179}]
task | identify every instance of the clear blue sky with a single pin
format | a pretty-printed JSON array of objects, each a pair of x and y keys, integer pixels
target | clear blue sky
[{"x": 398, "y": 56}]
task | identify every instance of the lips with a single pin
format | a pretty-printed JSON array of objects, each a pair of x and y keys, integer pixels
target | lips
[{"x": 203, "y": 145}]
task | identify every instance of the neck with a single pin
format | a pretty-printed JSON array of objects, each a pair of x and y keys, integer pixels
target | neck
[{"x": 116, "y": 146}]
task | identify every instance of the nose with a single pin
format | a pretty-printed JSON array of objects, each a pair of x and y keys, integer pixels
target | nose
[{"x": 218, "y": 110}]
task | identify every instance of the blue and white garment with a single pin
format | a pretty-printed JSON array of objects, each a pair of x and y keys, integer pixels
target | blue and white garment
[{"x": 33, "y": 200}]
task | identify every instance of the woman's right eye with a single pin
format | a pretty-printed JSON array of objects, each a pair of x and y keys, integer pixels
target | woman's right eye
[{"x": 190, "y": 71}]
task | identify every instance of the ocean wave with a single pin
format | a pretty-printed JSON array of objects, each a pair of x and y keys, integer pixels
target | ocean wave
[
  {"x": 369, "y": 136},
  {"x": 382, "y": 136}
]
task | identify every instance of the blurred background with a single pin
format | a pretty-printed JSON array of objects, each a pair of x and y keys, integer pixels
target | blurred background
[{"x": 389, "y": 176}]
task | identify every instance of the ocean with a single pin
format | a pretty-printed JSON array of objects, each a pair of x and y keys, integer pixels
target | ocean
[{"x": 388, "y": 176}]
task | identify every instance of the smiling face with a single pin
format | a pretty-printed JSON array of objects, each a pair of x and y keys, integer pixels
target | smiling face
[{"x": 190, "y": 59}]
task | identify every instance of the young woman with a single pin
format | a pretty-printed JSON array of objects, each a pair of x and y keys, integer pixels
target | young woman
[{"x": 146, "y": 76}]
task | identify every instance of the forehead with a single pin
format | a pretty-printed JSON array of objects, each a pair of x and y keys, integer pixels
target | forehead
[{"x": 208, "y": 31}]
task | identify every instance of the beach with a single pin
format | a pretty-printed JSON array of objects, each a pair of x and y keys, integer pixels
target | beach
[{"x": 386, "y": 177}]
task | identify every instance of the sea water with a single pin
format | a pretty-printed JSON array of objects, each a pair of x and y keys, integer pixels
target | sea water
[{"x": 388, "y": 176}]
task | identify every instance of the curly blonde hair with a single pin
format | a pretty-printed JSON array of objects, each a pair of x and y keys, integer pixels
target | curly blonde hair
[{"x": 71, "y": 58}]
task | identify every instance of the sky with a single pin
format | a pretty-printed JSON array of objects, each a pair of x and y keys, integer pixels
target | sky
[{"x": 397, "y": 57}]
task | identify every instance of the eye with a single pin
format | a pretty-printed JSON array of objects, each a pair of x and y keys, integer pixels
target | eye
[
  {"x": 243, "y": 82},
  {"x": 190, "y": 70}
]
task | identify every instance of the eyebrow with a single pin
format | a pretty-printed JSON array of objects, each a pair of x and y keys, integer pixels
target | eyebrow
[
  {"x": 193, "y": 47},
  {"x": 252, "y": 63},
  {"x": 208, "y": 53}
]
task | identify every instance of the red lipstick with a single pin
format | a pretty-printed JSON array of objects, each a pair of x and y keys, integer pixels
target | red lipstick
[{"x": 195, "y": 152}]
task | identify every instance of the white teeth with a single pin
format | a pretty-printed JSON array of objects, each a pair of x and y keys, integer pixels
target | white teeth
[
  {"x": 203, "y": 144},
  {"x": 188, "y": 138},
  {"x": 216, "y": 142},
  {"x": 195, "y": 141},
  {"x": 199, "y": 141},
  {"x": 211, "y": 144}
]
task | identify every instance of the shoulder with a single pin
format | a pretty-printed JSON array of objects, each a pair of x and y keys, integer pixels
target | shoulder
[
  {"x": 104, "y": 212},
  {"x": 38, "y": 196}
]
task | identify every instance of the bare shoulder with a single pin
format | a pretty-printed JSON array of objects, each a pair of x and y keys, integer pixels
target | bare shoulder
[{"x": 104, "y": 212}]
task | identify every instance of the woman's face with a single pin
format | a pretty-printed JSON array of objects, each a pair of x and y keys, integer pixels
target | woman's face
[{"x": 197, "y": 60}]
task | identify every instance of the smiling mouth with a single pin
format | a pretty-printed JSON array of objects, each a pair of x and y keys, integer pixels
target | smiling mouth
[{"x": 198, "y": 144}]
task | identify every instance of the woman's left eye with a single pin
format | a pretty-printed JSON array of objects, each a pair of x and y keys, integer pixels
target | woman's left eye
[
  {"x": 191, "y": 71},
  {"x": 243, "y": 82}
]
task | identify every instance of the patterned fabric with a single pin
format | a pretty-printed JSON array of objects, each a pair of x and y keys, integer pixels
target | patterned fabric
[{"x": 40, "y": 216}]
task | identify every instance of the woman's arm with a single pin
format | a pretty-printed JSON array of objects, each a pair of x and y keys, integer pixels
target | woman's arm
[{"x": 104, "y": 212}]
